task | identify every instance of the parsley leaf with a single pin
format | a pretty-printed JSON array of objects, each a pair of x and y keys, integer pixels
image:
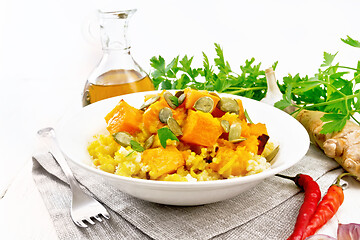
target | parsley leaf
[
  {"x": 136, "y": 146},
  {"x": 330, "y": 90},
  {"x": 165, "y": 134},
  {"x": 328, "y": 59},
  {"x": 174, "y": 100},
  {"x": 333, "y": 122},
  {"x": 351, "y": 42}
]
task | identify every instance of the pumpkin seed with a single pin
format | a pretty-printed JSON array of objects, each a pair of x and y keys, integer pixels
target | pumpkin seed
[
  {"x": 174, "y": 126},
  {"x": 228, "y": 105},
  {"x": 181, "y": 98},
  {"x": 179, "y": 93},
  {"x": 149, "y": 102},
  {"x": 235, "y": 132},
  {"x": 168, "y": 96},
  {"x": 149, "y": 142},
  {"x": 204, "y": 104},
  {"x": 122, "y": 138},
  {"x": 164, "y": 114},
  {"x": 271, "y": 156},
  {"x": 238, "y": 140},
  {"x": 225, "y": 125}
]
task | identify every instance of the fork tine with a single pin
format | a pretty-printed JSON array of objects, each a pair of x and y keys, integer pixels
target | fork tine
[
  {"x": 89, "y": 220},
  {"x": 80, "y": 224},
  {"x": 97, "y": 217},
  {"x": 106, "y": 215}
]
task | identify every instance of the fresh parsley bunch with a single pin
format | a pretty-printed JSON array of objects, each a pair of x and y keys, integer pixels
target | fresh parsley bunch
[
  {"x": 179, "y": 74},
  {"x": 331, "y": 90}
]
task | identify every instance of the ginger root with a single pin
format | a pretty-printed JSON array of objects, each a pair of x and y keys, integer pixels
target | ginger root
[{"x": 343, "y": 146}]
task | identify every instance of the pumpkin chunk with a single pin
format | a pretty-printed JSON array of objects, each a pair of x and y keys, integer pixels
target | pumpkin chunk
[
  {"x": 241, "y": 110},
  {"x": 124, "y": 118},
  {"x": 201, "y": 129},
  {"x": 162, "y": 161},
  {"x": 151, "y": 116},
  {"x": 258, "y": 129}
]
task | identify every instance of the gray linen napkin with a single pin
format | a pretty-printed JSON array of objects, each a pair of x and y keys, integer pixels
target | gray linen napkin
[{"x": 267, "y": 211}]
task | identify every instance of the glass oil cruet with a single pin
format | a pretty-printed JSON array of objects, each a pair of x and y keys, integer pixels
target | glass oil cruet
[{"x": 117, "y": 73}]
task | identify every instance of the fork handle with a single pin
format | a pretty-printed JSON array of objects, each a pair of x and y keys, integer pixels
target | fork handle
[{"x": 48, "y": 137}]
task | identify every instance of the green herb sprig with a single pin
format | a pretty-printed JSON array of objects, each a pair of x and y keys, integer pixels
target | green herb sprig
[
  {"x": 331, "y": 90},
  {"x": 179, "y": 74},
  {"x": 136, "y": 146},
  {"x": 165, "y": 134}
]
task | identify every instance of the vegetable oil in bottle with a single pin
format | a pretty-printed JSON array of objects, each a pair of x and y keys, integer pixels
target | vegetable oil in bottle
[{"x": 117, "y": 73}]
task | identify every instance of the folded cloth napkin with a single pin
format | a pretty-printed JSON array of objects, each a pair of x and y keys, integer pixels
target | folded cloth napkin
[{"x": 267, "y": 211}]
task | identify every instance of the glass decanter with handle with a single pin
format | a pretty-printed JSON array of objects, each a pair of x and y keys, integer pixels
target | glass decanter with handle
[{"x": 117, "y": 72}]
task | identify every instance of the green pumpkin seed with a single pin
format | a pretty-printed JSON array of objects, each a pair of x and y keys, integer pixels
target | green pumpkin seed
[
  {"x": 228, "y": 105},
  {"x": 149, "y": 142},
  {"x": 122, "y": 138},
  {"x": 181, "y": 98},
  {"x": 272, "y": 155},
  {"x": 149, "y": 102},
  {"x": 238, "y": 140},
  {"x": 164, "y": 114},
  {"x": 174, "y": 126},
  {"x": 225, "y": 125},
  {"x": 204, "y": 104},
  {"x": 168, "y": 96},
  {"x": 235, "y": 133}
]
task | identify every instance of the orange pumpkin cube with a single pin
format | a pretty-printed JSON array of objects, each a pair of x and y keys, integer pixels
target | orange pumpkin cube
[
  {"x": 258, "y": 129},
  {"x": 124, "y": 118},
  {"x": 241, "y": 110},
  {"x": 201, "y": 129},
  {"x": 151, "y": 116},
  {"x": 162, "y": 160}
]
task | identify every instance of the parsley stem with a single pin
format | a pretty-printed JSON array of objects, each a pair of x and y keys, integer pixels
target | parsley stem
[
  {"x": 355, "y": 119},
  {"x": 347, "y": 97},
  {"x": 350, "y": 68},
  {"x": 357, "y": 76},
  {"x": 245, "y": 89}
]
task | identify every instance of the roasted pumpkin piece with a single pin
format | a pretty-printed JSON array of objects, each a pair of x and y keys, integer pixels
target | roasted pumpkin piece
[
  {"x": 162, "y": 160},
  {"x": 258, "y": 129},
  {"x": 201, "y": 129},
  {"x": 151, "y": 116},
  {"x": 230, "y": 117},
  {"x": 251, "y": 144},
  {"x": 193, "y": 95},
  {"x": 229, "y": 162},
  {"x": 124, "y": 118},
  {"x": 241, "y": 110}
]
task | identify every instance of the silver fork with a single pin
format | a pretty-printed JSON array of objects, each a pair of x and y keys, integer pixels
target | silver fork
[{"x": 84, "y": 208}]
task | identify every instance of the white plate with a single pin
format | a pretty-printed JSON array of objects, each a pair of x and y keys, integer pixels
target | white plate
[{"x": 77, "y": 130}]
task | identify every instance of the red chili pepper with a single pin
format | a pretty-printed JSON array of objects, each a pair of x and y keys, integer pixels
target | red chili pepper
[
  {"x": 326, "y": 208},
  {"x": 307, "y": 209}
]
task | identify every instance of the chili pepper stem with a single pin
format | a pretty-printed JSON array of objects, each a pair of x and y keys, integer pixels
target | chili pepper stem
[
  {"x": 341, "y": 176},
  {"x": 286, "y": 177}
]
